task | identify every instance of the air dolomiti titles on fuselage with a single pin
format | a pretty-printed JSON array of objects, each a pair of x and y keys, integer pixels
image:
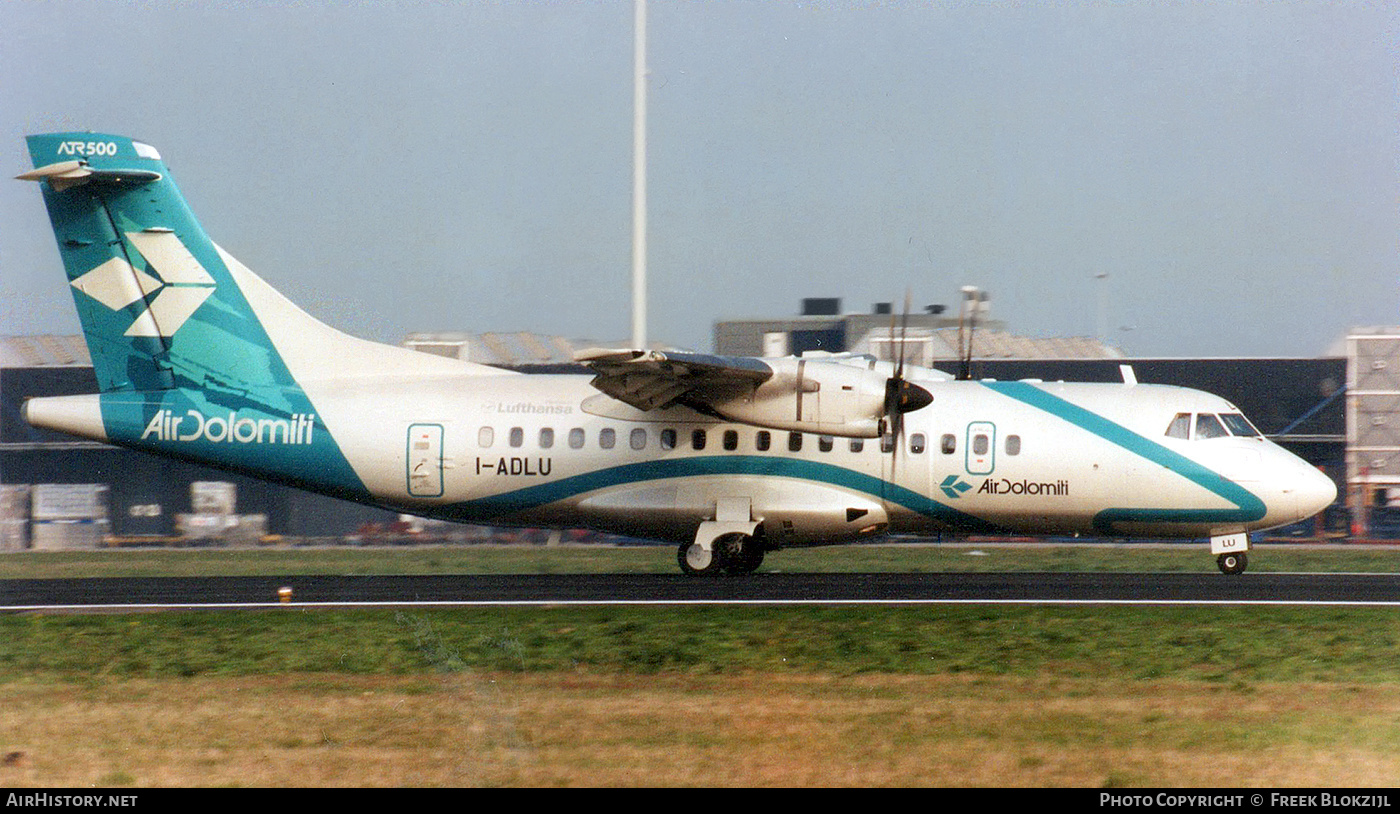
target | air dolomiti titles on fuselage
[
  {"x": 1003, "y": 486},
  {"x": 166, "y": 425}
]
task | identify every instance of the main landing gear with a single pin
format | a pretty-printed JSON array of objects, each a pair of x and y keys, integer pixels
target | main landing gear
[
  {"x": 1232, "y": 563},
  {"x": 732, "y": 553}
]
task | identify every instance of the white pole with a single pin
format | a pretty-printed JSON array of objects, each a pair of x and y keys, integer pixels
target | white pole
[{"x": 639, "y": 178}]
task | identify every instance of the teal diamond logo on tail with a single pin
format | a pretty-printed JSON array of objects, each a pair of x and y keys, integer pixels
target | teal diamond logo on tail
[{"x": 954, "y": 486}]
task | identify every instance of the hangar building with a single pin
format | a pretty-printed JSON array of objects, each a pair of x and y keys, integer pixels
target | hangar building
[
  {"x": 63, "y": 492},
  {"x": 1341, "y": 413}
]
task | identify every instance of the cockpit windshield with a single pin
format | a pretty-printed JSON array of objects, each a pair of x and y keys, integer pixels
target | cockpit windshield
[
  {"x": 1208, "y": 426},
  {"x": 1239, "y": 425},
  {"x": 1204, "y": 426}
]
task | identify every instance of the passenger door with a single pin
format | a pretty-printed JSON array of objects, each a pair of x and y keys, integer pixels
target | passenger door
[
  {"x": 424, "y": 460},
  {"x": 981, "y": 448}
]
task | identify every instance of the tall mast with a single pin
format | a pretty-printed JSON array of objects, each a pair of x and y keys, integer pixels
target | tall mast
[{"x": 639, "y": 177}]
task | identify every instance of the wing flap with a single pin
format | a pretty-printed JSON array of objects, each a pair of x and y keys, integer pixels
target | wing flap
[{"x": 650, "y": 379}]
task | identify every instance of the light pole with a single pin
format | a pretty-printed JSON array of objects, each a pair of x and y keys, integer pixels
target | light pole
[{"x": 639, "y": 177}]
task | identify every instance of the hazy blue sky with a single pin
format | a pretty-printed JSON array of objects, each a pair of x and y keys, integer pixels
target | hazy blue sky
[{"x": 395, "y": 167}]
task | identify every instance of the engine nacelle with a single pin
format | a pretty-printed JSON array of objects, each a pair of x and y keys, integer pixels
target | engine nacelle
[{"x": 812, "y": 395}]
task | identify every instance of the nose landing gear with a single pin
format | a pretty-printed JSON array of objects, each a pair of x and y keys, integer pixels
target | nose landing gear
[
  {"x": 1232, "y": 563},
  {"x": 1230, "y": 550}
]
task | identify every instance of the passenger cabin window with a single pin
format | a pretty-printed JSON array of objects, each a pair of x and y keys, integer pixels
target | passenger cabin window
[
  {"x": 825, "y": 443},
  {"x": 1208, "y": 426},
  {"x": 763, "y": 441},
  {"x": 731, "y": 440},
  {"x": 485, "y": 437},
  {"x": 1180, "y": 426},
  {"x": 980, "y": 444},
  {"x": 638, "y": 439},
  {"x": 697, "y": 439},
  {"x": 517, "y": 436},
  {"x": 794, "y": 442},
  {"x": 576, "y": 438},
  {"x": 607, "y": 438},
  {"x": 546, "y": 438},
  {"x": 887, "y": 442},
  {"x": 668, "y": 438},
  {"x": 948, "y": 444},
  {"x": 1013, "y": 445},
  {"x": 857, "y": 444},
  {"x": 916, "y": 443}
]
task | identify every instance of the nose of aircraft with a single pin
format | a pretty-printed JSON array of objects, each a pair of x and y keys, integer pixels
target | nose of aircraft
[{"x": 1314, "y": 491}]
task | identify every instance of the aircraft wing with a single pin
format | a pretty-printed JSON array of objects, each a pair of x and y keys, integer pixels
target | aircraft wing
[{"x": 649, "y": 379}]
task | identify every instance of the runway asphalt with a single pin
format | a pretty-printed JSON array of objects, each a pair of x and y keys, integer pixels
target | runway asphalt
[{"x": 118, "y": 593}]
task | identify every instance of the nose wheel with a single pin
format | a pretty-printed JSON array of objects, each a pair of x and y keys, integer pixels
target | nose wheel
[{"x": 1232, "y": 563}]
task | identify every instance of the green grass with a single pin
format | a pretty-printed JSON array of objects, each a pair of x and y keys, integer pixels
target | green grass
[
  {"x": 1214, "y": 644},
  {"x": 1019, "y": 696},
  {"x": 567, "y": 559},
  {"x": 1234, "y": 647}
]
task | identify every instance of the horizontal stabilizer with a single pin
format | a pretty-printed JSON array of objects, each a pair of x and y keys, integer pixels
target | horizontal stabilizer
[{"x": 65, "y": 174}]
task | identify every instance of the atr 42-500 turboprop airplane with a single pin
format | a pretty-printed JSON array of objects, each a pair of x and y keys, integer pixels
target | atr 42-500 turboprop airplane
[{"x": 198, "y": 358}]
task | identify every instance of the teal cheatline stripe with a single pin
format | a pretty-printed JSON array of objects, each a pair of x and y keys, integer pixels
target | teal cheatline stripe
[
  {"x": 535, "y": 496},
  {"x": 1248, "y": 507}
]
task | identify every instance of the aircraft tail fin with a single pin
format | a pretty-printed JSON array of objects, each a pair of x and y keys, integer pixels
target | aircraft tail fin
[{"x": 161, "y": 305}]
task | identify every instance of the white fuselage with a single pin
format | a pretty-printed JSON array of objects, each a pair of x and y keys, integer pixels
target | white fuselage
[{"x": 550, "y": 450}]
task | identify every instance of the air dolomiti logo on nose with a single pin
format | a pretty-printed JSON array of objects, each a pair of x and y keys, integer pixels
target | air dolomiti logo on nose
[
  {"x": 1003, "y": 486},
  {"x": 182, "y": 287},
  {"x": 955, "y": 487}
]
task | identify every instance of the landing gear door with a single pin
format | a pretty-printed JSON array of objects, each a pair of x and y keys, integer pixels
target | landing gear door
[{"x": 981, "y": 448}]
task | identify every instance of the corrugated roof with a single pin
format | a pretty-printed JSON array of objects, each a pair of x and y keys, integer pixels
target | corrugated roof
[
  {"x": 990, "y": 344},
  {"x": 44, "y": 350},
  {"x": 518, "y": 348},
  {"x": 50, "y": 350}
]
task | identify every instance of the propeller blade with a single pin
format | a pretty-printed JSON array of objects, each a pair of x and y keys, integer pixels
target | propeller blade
[
  {"x": 903, "y": 334},
  {"x": 900, "y": 395},
  {"x": 894, "y": 397},
  {"x": 893, "y": 352}
]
